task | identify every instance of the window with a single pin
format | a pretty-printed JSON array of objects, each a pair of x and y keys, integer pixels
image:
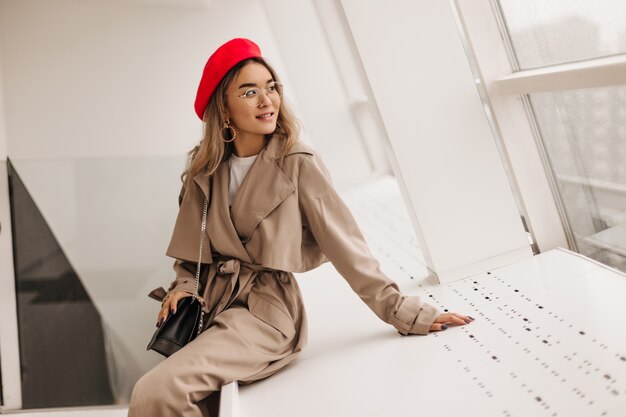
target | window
[
  {"x": 553, "y": 32},
  {"x": 584, "y": 132},
  {"x": 554, "y": 77}
]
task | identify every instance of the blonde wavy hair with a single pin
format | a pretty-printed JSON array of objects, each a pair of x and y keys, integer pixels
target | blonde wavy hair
[{"x": 207, "y": 155}]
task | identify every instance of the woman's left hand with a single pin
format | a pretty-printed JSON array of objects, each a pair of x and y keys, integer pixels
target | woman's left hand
[{"x": 455, "y": 318}]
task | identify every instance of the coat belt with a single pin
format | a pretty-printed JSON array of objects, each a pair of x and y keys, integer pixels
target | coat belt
[
  {"x": 226, "y": 266},
  {"x": 229, "y": 281}
]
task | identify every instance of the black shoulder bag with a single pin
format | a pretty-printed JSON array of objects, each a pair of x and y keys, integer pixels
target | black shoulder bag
[{"x": 181, "y": 328}]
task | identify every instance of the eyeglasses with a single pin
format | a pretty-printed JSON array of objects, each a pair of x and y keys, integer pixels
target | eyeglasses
[{"x": 253, "y": 96}]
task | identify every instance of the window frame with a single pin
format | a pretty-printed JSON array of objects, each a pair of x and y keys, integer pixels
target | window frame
[{"x": 505, "y": 90}]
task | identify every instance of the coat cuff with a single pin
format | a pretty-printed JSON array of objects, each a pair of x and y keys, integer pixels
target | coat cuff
[
  {"x": 414, "y": 316},
  {"x": 157, "y": 294},
  {"x": 183, "y": 284}
]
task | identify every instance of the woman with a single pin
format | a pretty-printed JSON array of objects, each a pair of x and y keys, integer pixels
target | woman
[{"x": 273, "y": 211}]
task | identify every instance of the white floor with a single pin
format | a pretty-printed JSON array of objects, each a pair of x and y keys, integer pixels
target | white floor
[
  {"x": 104, "y": 411},
  {"x": 548, "y": 339}
]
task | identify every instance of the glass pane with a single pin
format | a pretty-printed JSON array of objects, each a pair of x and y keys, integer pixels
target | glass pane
[
  {"x": 584, "y": 132},
  {"x": 89, "y": 236},
  {"x": 554, "y": 32}
]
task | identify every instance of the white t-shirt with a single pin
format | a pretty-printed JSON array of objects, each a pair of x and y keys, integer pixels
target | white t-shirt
[{"x": 238, "y": 169}]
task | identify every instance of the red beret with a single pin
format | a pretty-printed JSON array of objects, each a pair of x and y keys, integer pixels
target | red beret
[{"x": 223, "y": 59}]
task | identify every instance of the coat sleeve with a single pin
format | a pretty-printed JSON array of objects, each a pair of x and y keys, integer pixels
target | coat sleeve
[
  {"x": 184, "y": 281},
  {"x": 341, "y": 240},
  {"x": 184, "y": 272},
  {"x": 185, "y": 276}
]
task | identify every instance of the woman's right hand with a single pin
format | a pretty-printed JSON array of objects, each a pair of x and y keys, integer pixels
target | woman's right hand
[
  {"x": 170, "y": 303},
  {"x": 454, "y": 318}
]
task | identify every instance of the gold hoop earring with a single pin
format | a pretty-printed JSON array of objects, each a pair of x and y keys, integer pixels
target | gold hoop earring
[{"x": 230, "y": 131}]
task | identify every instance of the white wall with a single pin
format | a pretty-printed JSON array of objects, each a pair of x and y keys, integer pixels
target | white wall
[
  {"x": 118, "y": 78},
  {"x": 3, "y": 133},
  {"x": 329, "y": 121},
  {"x": 466, "y": 217},
  {"x": 106, "y": 79},
  {"x": 9, "y": 338}
]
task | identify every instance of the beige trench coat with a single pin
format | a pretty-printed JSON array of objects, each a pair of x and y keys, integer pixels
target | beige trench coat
[
  {"x": 292, "y": 219},
  {"x": 283, "y": 218}
]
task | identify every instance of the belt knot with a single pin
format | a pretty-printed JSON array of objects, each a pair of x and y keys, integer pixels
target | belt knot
[
  {"x": 233, "y": 265},
  {"x": 228, "y": 267}
]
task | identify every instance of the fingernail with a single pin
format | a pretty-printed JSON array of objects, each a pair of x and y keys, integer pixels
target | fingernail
[
  {"x": 444, "y": 327},
  {"x": 174, "y": 312},
  {"x": 471, "y": 317}
]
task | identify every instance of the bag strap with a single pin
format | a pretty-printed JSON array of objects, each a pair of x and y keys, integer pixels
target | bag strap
[{"x": 202, "y": 233}]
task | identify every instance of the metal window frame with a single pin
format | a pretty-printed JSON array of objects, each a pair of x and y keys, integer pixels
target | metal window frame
[{"x": 596, "y": 72}]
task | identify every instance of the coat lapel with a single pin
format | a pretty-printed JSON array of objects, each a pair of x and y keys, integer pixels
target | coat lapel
[{"x": 264, "y": 188}]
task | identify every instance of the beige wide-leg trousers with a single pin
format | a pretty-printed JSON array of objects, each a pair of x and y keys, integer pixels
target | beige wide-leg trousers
[{"x": 260, "y": 332}]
